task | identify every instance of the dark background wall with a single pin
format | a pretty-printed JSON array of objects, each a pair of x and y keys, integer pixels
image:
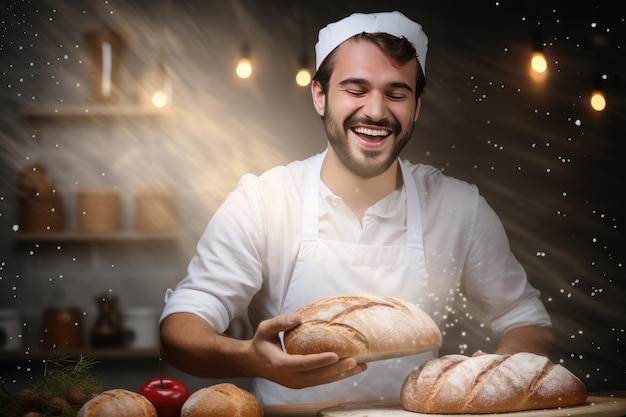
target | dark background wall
[{"x": 551, "y": 167}]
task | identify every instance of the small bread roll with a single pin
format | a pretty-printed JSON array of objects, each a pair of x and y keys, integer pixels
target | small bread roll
[
  {"x": 117, "y": 403},
  {"x": 366, "y": 327},
  {"x": 222, "y": 400}
]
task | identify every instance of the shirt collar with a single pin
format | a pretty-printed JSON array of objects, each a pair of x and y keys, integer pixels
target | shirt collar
[{"x": 386, "y": 207}]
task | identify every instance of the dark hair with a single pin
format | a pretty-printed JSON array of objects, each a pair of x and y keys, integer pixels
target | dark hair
[{"x": 397, "y": 48}]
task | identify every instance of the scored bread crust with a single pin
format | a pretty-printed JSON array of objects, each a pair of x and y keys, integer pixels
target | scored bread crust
[
  {"x": 491, "y": 383},
  {"x": 116, "y": 403},
  {"x": 366, "y": 327},
  {"x": 222, "y": 400}
]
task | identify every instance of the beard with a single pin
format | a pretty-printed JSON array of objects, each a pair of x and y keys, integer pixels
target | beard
[{"x": 364, "y": 164}]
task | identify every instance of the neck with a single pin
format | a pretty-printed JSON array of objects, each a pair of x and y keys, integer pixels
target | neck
[{"x": 358, "y": 193}]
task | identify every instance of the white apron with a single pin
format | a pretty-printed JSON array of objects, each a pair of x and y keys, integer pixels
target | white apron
[{"x": 326, "y": 268}]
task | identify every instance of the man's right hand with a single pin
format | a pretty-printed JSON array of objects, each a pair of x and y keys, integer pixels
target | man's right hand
[
  {"x": 296, "y": 371},
  {"x": 189, "y": 343}
]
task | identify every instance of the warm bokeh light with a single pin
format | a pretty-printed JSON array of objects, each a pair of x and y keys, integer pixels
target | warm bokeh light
[
  {"x": 244, "y": 68},
  {"x": 597, "y": 101},
  {"x": 538, "y": 68},
  {"x": 159, "y": 99},
  {"x": 303, "y": 77},
  {"x": 538, "y": 62},
  {"x": 162, "y": 94}
]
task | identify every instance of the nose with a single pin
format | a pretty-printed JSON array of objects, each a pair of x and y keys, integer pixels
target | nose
[{"x": 375, "y": 107}]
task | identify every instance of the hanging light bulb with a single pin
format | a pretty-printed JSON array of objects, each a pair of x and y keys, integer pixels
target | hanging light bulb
[
  {"x": 538, "y": 63},
  {"x": 303, "y": 77},
  {"x": 161, "y": 98},
  {"x": 244, "y": 68},
  {"x": 598, "y": 100},
  {"x": 244, "y": 65},
  {"x": 162, "y": 95}
]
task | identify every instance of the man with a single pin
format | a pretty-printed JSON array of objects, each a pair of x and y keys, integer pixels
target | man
[{"x": 353, "y": 219}]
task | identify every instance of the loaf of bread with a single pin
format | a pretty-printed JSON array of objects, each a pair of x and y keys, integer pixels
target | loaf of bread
[
  {"x": 116, "y": 403},
  {"x": 365, "y": 327},
  {"x": 455, "y": 384},
  {"x": 222, "y": 400}
]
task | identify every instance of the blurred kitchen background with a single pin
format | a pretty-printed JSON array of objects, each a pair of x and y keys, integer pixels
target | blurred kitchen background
[{"x": 104, "y": 192}]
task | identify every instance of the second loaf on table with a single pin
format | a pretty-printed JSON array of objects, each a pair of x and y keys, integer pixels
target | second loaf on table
[
  {"x": 366, "y": 327},
  {"x": 490, "y": 383}
]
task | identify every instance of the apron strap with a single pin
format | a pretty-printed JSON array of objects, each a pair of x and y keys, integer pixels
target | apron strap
[
  {"x": 311, "y": 209},
  {"x": 414, "y": 235}
]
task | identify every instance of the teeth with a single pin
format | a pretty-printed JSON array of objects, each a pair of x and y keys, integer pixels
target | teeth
[{"x": 371, "y": 132}]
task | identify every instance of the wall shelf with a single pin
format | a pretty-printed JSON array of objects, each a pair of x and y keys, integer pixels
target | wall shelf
[
  {"x": 94, "y": 112},
  {"x": 77, "y": 236},
  {"x": 39, "y": 354}
]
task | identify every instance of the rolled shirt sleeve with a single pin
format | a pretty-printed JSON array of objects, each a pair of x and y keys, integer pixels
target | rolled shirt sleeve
[
  {"x": 225, "y": 272},
  {"x": 496, "y": 281}
]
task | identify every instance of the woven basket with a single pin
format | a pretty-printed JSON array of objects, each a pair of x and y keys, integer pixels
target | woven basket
[
  {"x": 41, "y": 213},
  {"x": 155, "y": 209},
  {"x": 98, "y": 209}
]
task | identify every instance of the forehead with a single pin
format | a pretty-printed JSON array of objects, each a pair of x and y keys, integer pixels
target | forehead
[{"x": 363, "y": 59}]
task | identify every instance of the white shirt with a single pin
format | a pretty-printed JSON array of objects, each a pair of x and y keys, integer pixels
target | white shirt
[{"x": 245, "y": 255}]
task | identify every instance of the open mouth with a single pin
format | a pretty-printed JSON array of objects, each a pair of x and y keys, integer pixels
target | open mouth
[{"x": 371, "y": 135}]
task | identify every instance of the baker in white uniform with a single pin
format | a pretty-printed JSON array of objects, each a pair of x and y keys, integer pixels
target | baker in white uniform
[{"x": 350, "y": 220}]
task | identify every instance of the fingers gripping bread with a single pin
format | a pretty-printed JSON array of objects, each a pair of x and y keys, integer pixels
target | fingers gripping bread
[
  {"x": 366, "y": 327},
  {"x": 456, "y": 384}
]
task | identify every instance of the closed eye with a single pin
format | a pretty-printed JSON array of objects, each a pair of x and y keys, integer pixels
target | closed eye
[
  {"x": 397, "y": 96},
  {"x": 356, "y": 93}
]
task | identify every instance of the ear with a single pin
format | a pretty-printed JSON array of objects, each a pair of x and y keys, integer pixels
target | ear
[
  {"x": 319, "y": 98},
  {"x": 418, "y": 107}
]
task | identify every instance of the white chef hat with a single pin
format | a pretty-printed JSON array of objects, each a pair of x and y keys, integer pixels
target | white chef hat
[{"x": 393, "y": 23}]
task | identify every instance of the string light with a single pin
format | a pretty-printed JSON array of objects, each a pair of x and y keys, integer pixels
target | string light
[
  {"x": 598, "y": 100},
  {"x": 162, "y": 89},
  {"x": 244, "y": 68},
  {"x": 244, "y": 65},
  {"x": 303, "y": 77},
  {"x": 162, "y": 96},
  {"x": 538, "y": 63},
  {"x": 160, "y": 99}
]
